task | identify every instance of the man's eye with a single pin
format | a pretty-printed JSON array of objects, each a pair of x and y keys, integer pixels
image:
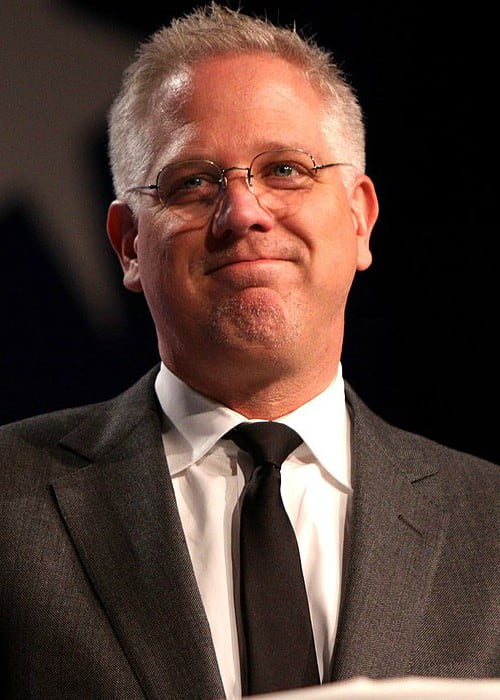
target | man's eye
[
  {"x": 284, "y": 174},
  {"x": 193, "y": 182},
  {"x": 284, "y": 170},
  {"x": 200, "y": 185}
]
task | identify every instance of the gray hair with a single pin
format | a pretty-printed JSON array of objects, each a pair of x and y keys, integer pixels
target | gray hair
[{"x": 216, "y": 30}]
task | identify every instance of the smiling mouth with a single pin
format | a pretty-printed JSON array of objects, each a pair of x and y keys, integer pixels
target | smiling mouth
[
  {"x": 241, "y": 263},
  {"x": 244, "y": 262}
]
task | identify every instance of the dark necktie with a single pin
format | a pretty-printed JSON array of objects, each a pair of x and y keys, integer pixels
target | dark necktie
[{"x": 280, "y": 651}]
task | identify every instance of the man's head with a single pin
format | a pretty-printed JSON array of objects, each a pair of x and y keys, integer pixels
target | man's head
[
  {"x": 211, "y": 31},
  {"x": 246, "y": 278}
]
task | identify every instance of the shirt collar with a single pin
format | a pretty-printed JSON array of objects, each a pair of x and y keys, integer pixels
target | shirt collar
[{"x": 195, "y": 423}]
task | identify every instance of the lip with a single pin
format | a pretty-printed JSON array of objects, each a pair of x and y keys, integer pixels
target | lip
[{"x": 244, "y": 262}]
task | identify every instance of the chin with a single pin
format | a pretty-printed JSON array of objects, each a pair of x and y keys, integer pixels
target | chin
[{"x": 246, "y": 324}]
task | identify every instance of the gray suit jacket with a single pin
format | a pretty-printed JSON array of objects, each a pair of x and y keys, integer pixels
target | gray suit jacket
[{"x": 97, "y": 592}]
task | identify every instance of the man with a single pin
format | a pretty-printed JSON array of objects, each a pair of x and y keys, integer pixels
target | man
[{"x": 242, "y": 213}]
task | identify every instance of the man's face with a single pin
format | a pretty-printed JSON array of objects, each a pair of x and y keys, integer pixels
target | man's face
[{"x": 252, "y": 285}]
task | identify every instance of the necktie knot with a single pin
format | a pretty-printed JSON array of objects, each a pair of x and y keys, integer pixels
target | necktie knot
[{"x": 267, "y": 442}]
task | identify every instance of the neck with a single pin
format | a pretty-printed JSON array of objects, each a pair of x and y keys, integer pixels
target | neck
[{"x": 256, "y": 393}]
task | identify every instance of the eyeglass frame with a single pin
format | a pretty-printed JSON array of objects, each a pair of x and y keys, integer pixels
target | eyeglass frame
[{"x": 222, "y": 181}]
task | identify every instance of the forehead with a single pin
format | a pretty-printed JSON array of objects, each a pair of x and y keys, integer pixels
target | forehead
[{"x": 247, "y": 102}]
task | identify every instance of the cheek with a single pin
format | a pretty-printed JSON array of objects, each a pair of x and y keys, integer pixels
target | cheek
[
  {"x": 329, "y": 232},
  {"x": 150, "y": 249},
  {"x": 154, "y": 243},
  {"x": 334, "y": 255},
  {"x": 169, "y": 259},
  {"x": 150, "y": 259}
]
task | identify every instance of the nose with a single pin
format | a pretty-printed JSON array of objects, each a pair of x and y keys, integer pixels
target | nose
[{"x": 239, "y": 210}]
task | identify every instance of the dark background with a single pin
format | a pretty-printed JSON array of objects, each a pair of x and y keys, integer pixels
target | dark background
[{"x": 422, "y": 346}]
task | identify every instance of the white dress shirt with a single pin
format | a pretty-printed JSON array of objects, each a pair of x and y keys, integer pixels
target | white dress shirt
[{"x": 208, "y": 477}]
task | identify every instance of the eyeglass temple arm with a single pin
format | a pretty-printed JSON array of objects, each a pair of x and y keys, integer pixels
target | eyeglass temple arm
[
  {"x": 141, "y": 187},
  {"x": 329, "y": 165}
]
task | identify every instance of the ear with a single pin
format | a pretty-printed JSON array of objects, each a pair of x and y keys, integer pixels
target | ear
[
  {"x": 122, "y": 233},
  {"x": 364, "y": 208}
]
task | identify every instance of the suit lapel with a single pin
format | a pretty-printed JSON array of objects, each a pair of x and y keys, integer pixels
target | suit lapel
[
  {"x": 392, "y": 554},
  {"x": 121, "y": 514}
]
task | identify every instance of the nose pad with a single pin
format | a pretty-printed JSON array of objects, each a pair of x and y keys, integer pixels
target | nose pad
[{"x": 238, "y": 210}]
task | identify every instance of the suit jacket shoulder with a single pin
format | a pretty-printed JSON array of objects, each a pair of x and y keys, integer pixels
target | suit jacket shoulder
[
  {"x": 461, "y": 475},
  {"x": 97, "y": 592},
  {"x": 421, "y": 589},
  {"x": 112, "y": 417}
]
